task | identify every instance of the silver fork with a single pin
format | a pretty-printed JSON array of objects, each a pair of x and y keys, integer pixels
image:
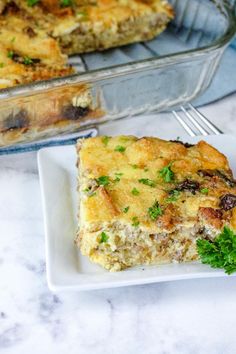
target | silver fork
[{"x": 194, "y": 122}]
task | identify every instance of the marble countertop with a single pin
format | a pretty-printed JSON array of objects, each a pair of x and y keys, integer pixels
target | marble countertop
[{"x": 182, "y": 317}]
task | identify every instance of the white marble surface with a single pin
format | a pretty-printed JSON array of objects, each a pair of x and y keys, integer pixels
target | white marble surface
[{"x": 181, "y": 317}]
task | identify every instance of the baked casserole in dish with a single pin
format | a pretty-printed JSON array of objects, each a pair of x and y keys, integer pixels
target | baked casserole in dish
[
  {"x": 169, "y": 70},
  {"x": 35, "y": 36}
]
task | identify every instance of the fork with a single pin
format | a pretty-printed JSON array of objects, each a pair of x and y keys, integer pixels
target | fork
[{"x": 194, "y": 122}]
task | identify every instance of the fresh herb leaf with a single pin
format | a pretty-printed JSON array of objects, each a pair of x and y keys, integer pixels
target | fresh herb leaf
[
  {"x": 204, "y": 190},
  {"x": 135, "y": 191},
  {"x": 126, "y": 209},
  {"x": 13, "y": 39},
  {"x": 27, "y": 61},
  {"x": 135, "y": 221},
  {"x": 103, "y": 180},
  {"x": 220, "y": 253},
  {"x": 32, "y": 3},
  {"x": 155, "y": 211},
  {"x": 66, "y": 3},
  {"x": 1, "y": 65},
  {"x": 167, "y": 174},
  {"x": 86, "y": 190},
  {"x": 105, "y": 140},
  {"x": 118, "y": 175},
  {"x": 10, "y": 54},
  {"x": 147, "y": 182},
  {"x": 135, "y": 167},
  {"x": 174, "y": 195},
  {"x": 146, "y": 169},
  {"x": 120, "y": 148},
  {"x": 104, "y": 237}
]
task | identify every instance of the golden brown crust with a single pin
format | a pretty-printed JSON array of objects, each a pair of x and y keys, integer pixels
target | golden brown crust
[
  {"x": 150, "y": 194},
  {"x": 212, "y": 216}
]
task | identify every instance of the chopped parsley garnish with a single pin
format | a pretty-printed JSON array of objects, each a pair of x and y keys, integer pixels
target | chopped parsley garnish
[
  {"x": 135, "y": 191},
  {"x": 86, "y": 190},
  {"x": 146, "y": 169},
  {"x": 147, "y": 182},
  {"x": 105, "y": 140},
  {"x": 167, "y": 174},
  {"x": 32, "y": 2},
  {"x": 126, "y": 209},
  {"x": 135, "y": 221},
  {"x": 10, "y": 54},
  {"x": 220, "y": 253},
  {"x": 13, "y": 39},
  {"x": 104, "y": 237},
  {"x": 118, "y": 175},
  {"x": 1, "y": 65},
  {"x": 66, "y": 3},
  {"x": 204, "y": 190},
  {"x": 27, "y": 61},
  {"x": 103, "y": 180},
  {"x": 134, "y": 166},
  {"x": 120, "y": 148},
  {"x": 174, "y": 195},
  {"x": 155, "y": 211}
]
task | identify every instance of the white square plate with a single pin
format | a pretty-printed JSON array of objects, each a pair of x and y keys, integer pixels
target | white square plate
[{"x": 67, "y": 269}]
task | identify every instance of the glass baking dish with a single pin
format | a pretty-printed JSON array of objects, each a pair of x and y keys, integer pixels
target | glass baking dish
[{"x": 168, "y": 71}]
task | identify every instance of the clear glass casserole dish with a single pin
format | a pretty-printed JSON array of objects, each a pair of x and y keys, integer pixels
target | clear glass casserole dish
[{"x": 168, "y": 71}]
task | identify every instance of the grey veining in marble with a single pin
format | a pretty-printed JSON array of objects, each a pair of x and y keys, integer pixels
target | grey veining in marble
[{"x": 182, "y": 317}]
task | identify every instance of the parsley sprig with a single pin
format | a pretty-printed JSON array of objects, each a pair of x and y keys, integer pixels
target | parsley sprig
[
  {"x": 135, "y": 191},
  {"x": 154, "y": 211},
  {"x": 27, "y": 61},
  {"x": 147, "y": 182},
  {"x": 120, "y": 148},
  {"x": 118, "y": 176},
  {"x": 32, "y": 3},
  {"x": 220, "y": 253},
  {"x": 167, "y": 174},
  {"x": 103, "y": 180},
  {"x": 204, "y": 190},
  {"x": 126, "y": 209},
  {"x": 10, "y": 54},
  {"x": 104, "y": 237},
  {"x": 105, "y": 140},
  {"x": 135, "y": 221},
  {"x": 66, "y": 3}
]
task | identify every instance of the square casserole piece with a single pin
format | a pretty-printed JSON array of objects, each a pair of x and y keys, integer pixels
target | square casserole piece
[{"x": 147, "y": 201}]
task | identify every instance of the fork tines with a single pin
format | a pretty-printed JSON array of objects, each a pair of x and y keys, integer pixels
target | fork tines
[{"x": 194, "y": 122}]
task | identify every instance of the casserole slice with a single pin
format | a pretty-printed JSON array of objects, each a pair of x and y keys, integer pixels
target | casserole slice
[{"x": 147, "y": 201}]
